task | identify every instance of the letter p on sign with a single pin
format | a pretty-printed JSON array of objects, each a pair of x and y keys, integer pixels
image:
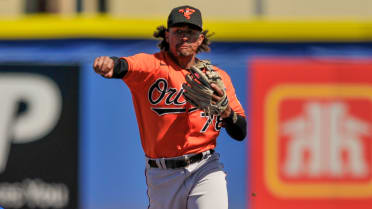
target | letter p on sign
[{"x": 43, "y": 100}]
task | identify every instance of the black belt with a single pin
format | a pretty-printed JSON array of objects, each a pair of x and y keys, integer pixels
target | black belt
[{"x": 180, "y": 163}]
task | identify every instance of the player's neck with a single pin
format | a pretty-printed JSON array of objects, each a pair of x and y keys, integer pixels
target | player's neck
[{"x": 184, "y": 62}]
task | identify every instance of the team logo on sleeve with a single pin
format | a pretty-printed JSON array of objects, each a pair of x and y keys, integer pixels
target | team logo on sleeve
[{"x": 160, "y": 93}]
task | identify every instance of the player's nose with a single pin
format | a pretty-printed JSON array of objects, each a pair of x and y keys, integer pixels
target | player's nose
[{"x": 184, "y": 38}]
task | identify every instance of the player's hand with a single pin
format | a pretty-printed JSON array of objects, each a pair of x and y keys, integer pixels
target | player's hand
[
  {"x": 104, "y": 66},
  {"x": 216, "y": 97}
]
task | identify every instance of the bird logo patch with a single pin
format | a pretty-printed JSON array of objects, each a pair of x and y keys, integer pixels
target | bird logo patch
[{"x": 186, "y": 12}]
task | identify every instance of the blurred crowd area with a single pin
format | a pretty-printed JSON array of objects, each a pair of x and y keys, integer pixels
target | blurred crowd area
[{"x": 216, "y": 9}]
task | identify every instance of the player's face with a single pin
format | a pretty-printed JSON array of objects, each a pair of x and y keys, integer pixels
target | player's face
[{"x": 183, "y": 40}]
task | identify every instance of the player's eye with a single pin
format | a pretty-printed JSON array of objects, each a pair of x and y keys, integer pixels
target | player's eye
[
  {"x": 180, "y": 32},
  {"x": 187, "y": 33}
]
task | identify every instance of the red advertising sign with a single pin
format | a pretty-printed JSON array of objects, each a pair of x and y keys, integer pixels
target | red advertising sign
[{"x": 311, "y": 138}]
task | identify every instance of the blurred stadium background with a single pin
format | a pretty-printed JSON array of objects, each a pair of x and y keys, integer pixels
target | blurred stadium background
[{"x": 302, "y": 69}]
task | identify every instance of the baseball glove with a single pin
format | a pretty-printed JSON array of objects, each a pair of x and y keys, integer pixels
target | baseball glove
[{"x": 198, "y": 90}]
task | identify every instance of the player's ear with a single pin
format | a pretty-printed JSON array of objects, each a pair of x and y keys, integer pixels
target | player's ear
[
  {"x": 200, "y": 39},
  {"x": 167, "y": 35}
]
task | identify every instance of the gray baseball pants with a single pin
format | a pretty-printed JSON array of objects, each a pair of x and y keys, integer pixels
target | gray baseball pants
[{"x": 201, "y": 185}]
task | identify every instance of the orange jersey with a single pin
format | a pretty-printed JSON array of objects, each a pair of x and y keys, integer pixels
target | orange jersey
[{"x": 169, "y": 126}]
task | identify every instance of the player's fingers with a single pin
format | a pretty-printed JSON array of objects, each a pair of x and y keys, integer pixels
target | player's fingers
[
  {"x": 108, "y": 75},
  {"x": 98, "y": 64},
  {"x": 95, "y": 63},
  {"x": 103, "y": 65},
  {"x": 217, "y": 90},
  {"x": 107, "y": 67},
  {"x": 215, "y": 98},
  {"x": 108, "y": 64}
]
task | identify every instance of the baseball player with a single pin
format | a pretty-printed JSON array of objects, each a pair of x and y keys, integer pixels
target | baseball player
[{"x": 178, "y": 138}]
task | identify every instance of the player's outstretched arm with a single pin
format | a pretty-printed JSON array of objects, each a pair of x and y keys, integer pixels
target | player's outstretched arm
[{"x": 104, "y": 66}]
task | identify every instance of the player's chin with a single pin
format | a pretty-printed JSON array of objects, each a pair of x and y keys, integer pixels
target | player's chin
[{"x": 185, "y": 52}]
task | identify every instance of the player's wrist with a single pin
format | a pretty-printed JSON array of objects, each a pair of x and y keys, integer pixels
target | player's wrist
[
  {"x": 231, "y": 118},
  {"x": 120, "y": 67},
  {"x": 226, "y": 114}
]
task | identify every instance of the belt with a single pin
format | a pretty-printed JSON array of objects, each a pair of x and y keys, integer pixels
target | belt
[{"x": 180, "y": 163}]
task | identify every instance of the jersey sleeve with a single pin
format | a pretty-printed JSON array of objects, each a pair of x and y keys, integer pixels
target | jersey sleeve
[
  {"x": 231, "y": 95},
  {"x": 140, "y": 68}
]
